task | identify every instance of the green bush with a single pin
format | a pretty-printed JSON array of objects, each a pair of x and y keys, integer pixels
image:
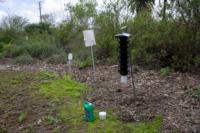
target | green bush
[
  {"x": 107, "y": 45},
  {"x": 16, "y": 50},
  {"x": 24, "y": 59},
  {"x": 2, "y": 52},
  {"x": 83, "y": 58},
  {"x": 2, "y": 55},
  {"x": 166, "y": 43},
  {"x": 196, "y": 93},
  {"x": 197, "y": 61},
  {"x": 43, "y": 51},
  {"x": 57, "y": 59},
  {"x": 85, "y": 63},
  {"x": 39, "y": 51},
  {"x": 165, "y": 71},
  {"x": 1, "y": 47}
]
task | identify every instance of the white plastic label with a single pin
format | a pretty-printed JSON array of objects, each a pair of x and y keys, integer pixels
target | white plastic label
[
  {"x": 89, "y": 38},
  {"x": 70, "y": 56}
]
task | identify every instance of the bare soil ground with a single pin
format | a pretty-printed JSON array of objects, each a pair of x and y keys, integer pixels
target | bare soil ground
[{"x": 168, "y": 97}]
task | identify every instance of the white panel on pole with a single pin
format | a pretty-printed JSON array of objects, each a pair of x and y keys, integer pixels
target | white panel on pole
[
  {"x": 70, "y": 56},
  {"x": 89, "y": 38}
]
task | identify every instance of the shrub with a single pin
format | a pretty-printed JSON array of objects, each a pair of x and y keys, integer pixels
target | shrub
[
  {"x": 1, "y": 47},
  {"x": 24, "y": 59},
  {"x": 83, "y": 58},
  {"x": 165, "y": 71},
  {"x": 16, "y": 50},
  {"x": 42, "y": 51},
  {"x": 196, "y": 93},
  {"x": 37, "y": 50},
  {"x": 135, "y": 55},
  {"x": 165, "y": 43},
  {"x": 197, "y": 61},
  {"x": 2, "y": 52},
  {"x": 85, "y": 63},
  {"x": 57, "y": 59},
  {"x": 2, "y": 55}
]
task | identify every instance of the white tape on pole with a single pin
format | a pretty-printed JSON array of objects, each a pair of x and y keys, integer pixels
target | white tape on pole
[{"x": 89, "y": 38}]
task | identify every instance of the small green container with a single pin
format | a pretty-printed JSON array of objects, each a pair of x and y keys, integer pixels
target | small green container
[{"x": 89, "y": 111}]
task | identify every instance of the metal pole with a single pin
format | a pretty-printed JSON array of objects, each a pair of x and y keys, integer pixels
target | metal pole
[
  {"x": 132, "y": 75},
  {"x": 40, "y": 10},
  {"x": 93, "y": 62},
  {"x": 70, "y": 65}
]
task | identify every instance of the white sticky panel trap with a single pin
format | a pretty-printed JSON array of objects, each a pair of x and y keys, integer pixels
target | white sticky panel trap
[
  {"x": 89, "y": 38},
  {"x": 70, "y": 56}
]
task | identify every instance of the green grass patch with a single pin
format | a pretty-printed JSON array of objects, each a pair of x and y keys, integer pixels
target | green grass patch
[
  {"x": 45, "y": 74},
  {"x": 60, "y": 87},
  {"x": 73, "y": 115},
  {"x": 64, "y": 87}
]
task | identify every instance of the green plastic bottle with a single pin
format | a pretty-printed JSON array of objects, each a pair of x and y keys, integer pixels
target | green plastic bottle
[{"x": 89, "y": 111}]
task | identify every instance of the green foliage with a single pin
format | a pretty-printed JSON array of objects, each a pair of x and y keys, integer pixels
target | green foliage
[
  {"x": 65, "y": 34},
  {"x": 43, "y": 51},
  {"x": 196, "y": 93},
  {"x": 141, "y": 5},
  {"x": 1, "y": 47},
  {"x": 39, "y": 51},
  {"x": 135, "y": 55},
  {"x": 164, "y": 43},
  {"x": 165, "y": 71},
  {"x": 83, "y": 58},
  {"x": 106, "y": 42},
  {"x": 82, "y": 12},
  {"x": 2, "y": 52},
  {"x": 12, "y": 28},
  {"x": 85, "y": 63},
  {"x": 22, "y": 117},
  {"x": 38, "y": 28},
  {"x": 24, "y": 59},
  {"x": 197, "y": 61},
  {"x": 18, "y": 39}
]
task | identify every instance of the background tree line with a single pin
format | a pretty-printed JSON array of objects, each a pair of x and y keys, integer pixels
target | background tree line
[{"x": 167, "y": 35}]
